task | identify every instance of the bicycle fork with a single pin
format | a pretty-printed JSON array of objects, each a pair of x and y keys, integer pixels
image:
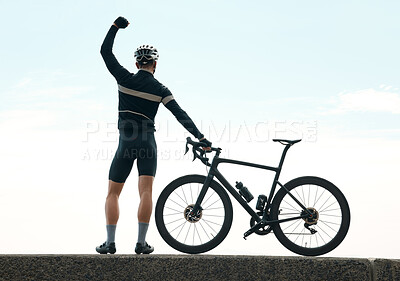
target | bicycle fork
[{"x": 197, "y": 206}]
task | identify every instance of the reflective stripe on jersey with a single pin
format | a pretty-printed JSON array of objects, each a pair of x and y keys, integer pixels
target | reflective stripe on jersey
[
  {"x": 167, "y": 99},
  {"x": 137, "y": 113},
  {"x": 138, "y": 94}
]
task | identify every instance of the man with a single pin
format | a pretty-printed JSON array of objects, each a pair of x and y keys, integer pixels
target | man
[{"x": 139, "y": 97}]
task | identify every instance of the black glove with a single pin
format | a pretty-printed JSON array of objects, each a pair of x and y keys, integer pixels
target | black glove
[
  {"x": 121, "y": 22},
  {"x": 206, "y": 141}
]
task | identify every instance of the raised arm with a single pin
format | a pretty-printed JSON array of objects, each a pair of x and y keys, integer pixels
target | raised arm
[{"x": 117, "y": 70}]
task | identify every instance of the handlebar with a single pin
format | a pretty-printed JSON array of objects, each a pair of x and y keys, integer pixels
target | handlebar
[{"x": 199, "y": 151}]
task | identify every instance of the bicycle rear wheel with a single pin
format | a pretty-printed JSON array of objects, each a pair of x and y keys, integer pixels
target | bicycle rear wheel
[
  {"x": 316, "y": 235},
  {"x": 188, "y": 233}
]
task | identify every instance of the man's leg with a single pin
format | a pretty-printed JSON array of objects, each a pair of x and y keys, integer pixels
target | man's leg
[
  {"x": 112, "y": 206},
  {"x": 147, "y": 165},
  {"x": 112, "y": 209},
  {"x": 144, "y": 213},
  {"x": 112, "y": 215},
  {"x": 146, "y": 201}
]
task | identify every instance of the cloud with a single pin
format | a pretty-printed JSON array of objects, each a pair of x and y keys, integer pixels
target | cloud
[{"x": 368, "y": 100}]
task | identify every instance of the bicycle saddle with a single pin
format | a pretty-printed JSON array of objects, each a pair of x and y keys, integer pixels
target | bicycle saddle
[{"x": 286, "y": 142}]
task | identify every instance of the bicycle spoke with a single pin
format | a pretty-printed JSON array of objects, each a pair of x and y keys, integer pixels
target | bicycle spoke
[
  {"x": 204, "y": 202},
  {"x": 327, "y": 222},
  {"x": 324, "y": 231},
  {"x": 187, "y": 234},
  {"x": 194, "y": 234},
  {"x": 208, "y": 221},
  {"x": 315, "y": 204},
  {"x": 180, "y": 198},
  {"x": 173, "y": 214},
  {"x": 322, "y": 210},
  {"x": 302, "y": 191},
  {"x": 219, "y": 208},
  {"x": 322, "y": 238},
  {"x": 173, "y": 210},
  {"x": 336, "y": 216},
  {"x": 298, "y": 224},
  {"x": 191, "y": 194},
  {"x": 330, "y": 210},
  {"x": 204, "y": 230},
  {"x": 206, "y": 208},
  {"x": 208, "y": 215},
  {"x": 315, "y": 198},
  {"x": 177, "y": 203},
  {"x": 291, "y": 209},
  {"x": 290, "y": 225},
  {"x": 187, "y": 228},
  {"x": 294, "y": 208},
  {"x": 184, "y": 195},
  {"x": 173, "y": 221},
  {"x": 209, "y": 226},
  {"x": 183, "y": 225},
  {"x": 299, "y": 197},
  {"x": 302, "y": 232}
]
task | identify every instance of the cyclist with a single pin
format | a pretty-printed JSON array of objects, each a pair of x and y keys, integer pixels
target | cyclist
[{"x": 139, "y": 97}]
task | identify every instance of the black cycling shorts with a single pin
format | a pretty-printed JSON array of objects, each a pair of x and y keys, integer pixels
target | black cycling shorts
[{"x": 134, "y": 145}]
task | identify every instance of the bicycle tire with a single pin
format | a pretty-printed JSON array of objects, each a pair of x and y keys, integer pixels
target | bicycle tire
[
  {"x": 172, "y": 218},
  {"x": 331, "y": 218}
]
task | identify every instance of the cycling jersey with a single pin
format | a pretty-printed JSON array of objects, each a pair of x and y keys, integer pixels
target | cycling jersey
[{"x": 140, "y": 94}]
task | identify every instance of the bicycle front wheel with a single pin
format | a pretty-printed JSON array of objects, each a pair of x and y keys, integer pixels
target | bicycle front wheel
[
  {"x": 322, "y": 231},
  {"x": 188, "y": 233}
]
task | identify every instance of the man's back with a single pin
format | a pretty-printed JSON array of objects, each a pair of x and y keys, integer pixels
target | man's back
[
  {"x": 140, "y": 94},
  {"x": 139, "y": 97}
]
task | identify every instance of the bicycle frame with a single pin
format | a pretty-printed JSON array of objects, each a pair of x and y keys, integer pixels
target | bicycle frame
[{"x": 214, "y": 172}]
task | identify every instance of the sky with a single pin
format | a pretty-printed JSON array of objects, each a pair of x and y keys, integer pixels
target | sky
[{"x": 245, "y": 71}]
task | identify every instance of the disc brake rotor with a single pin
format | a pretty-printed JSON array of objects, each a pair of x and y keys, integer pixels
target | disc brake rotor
[
  {"x": 313, "y": 218},
  {"x": 192, "y": 218}
]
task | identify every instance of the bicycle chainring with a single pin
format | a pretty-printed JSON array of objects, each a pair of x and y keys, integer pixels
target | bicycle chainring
[{"x": 262, "y": 230}]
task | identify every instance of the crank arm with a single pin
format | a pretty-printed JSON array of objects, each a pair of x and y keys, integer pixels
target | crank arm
[{"x": 261, "y": 223}]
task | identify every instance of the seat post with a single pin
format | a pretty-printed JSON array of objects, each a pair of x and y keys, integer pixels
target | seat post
[
  {"x": 285, "y": 150},
  {"x": 277, "y": 174}
]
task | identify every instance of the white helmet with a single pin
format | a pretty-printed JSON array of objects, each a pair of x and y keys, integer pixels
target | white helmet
[{"x": 145, "y": 54}]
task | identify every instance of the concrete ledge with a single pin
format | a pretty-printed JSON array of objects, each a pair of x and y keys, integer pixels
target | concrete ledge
[
  {"x": 386, "y": 269},
  {"x": 189, "y": 267}
]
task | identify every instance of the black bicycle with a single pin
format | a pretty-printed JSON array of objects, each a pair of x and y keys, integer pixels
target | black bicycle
[{"x": 309, "y": 215}]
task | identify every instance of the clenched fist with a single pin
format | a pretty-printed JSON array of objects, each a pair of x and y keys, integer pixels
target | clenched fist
[{"x": 121, "y": 22}]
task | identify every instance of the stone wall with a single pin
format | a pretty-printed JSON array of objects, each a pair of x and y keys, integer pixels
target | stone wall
[{"x": 193, "y": 267}]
